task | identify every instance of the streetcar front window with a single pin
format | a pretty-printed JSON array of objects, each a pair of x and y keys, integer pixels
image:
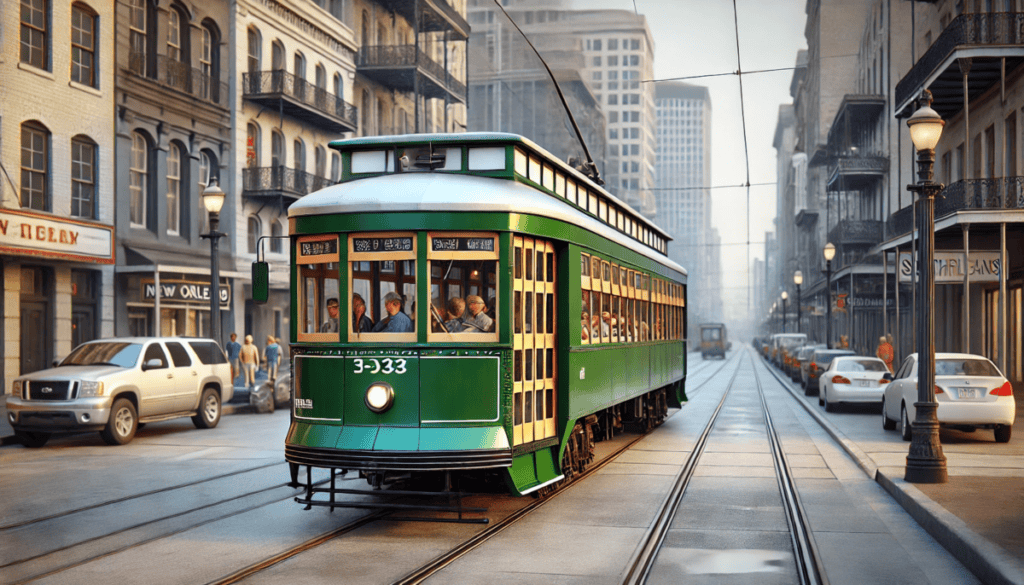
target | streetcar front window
[
  {"x": 319, "y": 311},
  {"x": 382, "y": 272},
  {"x": 463, "y": 287}
]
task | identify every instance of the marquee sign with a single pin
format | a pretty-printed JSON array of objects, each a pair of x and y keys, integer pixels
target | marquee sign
[
  {"x": 949, "y": 267},
  {"x": 26, "y": 233},
  {"x": 185, "y": 291}
]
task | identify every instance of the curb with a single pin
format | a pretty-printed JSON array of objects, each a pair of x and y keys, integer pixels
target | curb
[{"x": 987, "y": 560}]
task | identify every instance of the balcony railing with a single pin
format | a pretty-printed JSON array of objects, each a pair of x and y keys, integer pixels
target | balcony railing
[
  {"x": 409, "y": 56},
  {"x": 969, "y": 194},
  {"x": 302, "y": 98},
  {"x": 280, "y": 180},
  {"x": 180, "y": 76},
  {"x": 1000, "y": 28},
  {"x": 857, "y": 232}
]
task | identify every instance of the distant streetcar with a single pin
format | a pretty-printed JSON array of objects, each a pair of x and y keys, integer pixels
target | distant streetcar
[
  {"x": 515, "y": 313},
  {"x": 713, "y": 340}
]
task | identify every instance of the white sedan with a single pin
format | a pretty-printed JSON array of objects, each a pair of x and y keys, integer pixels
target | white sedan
[
  {"x": 969, "y": 389},
  {"x": 853, "y": 379}
]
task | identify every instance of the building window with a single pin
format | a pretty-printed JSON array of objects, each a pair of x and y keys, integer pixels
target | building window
[
  {"x": 138, "y": 26},
  {"x": 138, "y": 180},
  {"x": 173, "y": 189},
  {"x": 277, "y": 56},
  {"x": 339, "y": 87},
  {"x": 276, "y": 149},
  {"x": 299, "y": 151},
  {"x": 275, "y": 240},
  {"x": 83, "y": 46},
  {"x": 300, "y": 66},
  {"x": 35, "y": 167},
  {"x": 254, "y": 233},
  {"x": 34, "y": 33},
  {"x": 255, "y": 50},
  {"x": 174, "y": 35},
  {"x": 206, "y": 63},
  {"x": 83, "y": 177},
  {"x": 335, "y": 167},
  {"x": 320, "y": 157},
  {"x": 321, "y": 77},
  {"x": 252, "y": 146}
]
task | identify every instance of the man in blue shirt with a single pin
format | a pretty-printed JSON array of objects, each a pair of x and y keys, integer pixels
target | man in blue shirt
[
  {"x": 396, "y": 321},
  {"x": 233, "y": 349}
]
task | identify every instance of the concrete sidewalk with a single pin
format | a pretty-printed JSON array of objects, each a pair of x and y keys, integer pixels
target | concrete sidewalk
[{"x": 977, "y": 516}]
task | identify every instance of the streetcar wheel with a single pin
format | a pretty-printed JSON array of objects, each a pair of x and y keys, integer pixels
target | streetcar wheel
[
  {"x": 209, "y": 410},
  {"x": 122, "y": 424},
  {"x": 907, "y": 432},
  {"x": 34, "y": 440},
  {"x": 1003, "y": 433},
  {"x": 887, "y": 423}
]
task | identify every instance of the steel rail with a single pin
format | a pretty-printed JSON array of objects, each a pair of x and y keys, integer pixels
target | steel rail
[
  {"x": 642, "y": 560},
  {"x": 808, "y": 560}
]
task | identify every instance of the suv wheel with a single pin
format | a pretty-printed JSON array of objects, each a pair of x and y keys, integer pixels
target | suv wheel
[
  {"x": 32, "y": 440},
  {"x": 209, "y": 410},
  {"x": 122, "y": 424}
]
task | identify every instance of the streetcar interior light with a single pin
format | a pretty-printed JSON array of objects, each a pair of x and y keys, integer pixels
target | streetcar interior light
[{"x": 379, "y": 397}]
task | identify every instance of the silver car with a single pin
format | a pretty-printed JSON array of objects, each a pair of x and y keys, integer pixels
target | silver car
[{"x": 114, "y": 385}]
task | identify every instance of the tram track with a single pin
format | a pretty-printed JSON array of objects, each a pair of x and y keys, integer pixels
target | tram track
[{"x": 809, "y": 567}]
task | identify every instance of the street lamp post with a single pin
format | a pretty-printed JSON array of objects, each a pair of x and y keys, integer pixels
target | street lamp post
[
  {"x": 798, "y": 279},
  {"x": 213, "y": 200},
  {"x": 830, "y": 253},
  {"x": 785, "y": 296},
  {"x": 925, "y": 461}
]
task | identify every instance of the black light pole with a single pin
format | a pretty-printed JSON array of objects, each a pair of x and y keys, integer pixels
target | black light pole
[
  {"x": 925, "y": 461},
  {"x": 213, "y": 200},
  {"x": 785, "y": 296},
  {"x": 798, "y": 279},
  {"x": 830, "y": 253}
]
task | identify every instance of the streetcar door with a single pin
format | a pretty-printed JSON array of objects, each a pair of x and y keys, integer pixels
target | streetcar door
[{"x": 534, "y": 303}]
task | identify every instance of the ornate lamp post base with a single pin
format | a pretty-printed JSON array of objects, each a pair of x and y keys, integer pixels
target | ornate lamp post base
[{"x": 925, "y": 461}]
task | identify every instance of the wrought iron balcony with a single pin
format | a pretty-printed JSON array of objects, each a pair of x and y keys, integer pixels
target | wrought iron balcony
[
  {"x": 990, "y": 38},
  {"x": 280, "y": 181},
  {"x": 857, "y": 232},
  {"x": 856, "y": 169},
  {"x": 1003, "y": 193},
  {"x": 298, "y": 98},
  {"x": 399, "y": 66},
  {"x": 179, "y": 76},
  {"x": 434, "y": 15}
]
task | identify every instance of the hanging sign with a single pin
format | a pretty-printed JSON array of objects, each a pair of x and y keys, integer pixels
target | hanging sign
[{"x": 950, "y": 266}]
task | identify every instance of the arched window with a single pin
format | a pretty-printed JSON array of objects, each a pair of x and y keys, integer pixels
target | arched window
[
  {"x": 339, "y": 86},
  {"x": 275, "y": 241},
  {"x": 83, "y": 177},
  {"x": 35, "y": 33},
  {"x": 381, "y": 117},
  {"x": 403, "y": 121},
  {"x": 83, "y": 45},
  {"x": 173, "y": 196},
  {"x": 300, "y": 65},
  {"x": 364, "y": 38},
  {"x": 140, "y": 23},
  {"x": 299, "y": 150},
  {"x": 320, "y": 158},
  {"x": 35, "y": 166},
  {"x": 335, "y": 167},
  {"x": 138, "y": 180},
  {"x": 255, "y": 49},
  {"x": 321, "y": 77},
  {"x": 277, "y": 156},
  {"x": 382, "y": 35},
  {"x": 277, "y": 56},
  {"x": 255, "y": 230},
  {"x": 252, "y": 146},
  {"x": 174, "y": 36},
  {"x": 209, "y": 61}
]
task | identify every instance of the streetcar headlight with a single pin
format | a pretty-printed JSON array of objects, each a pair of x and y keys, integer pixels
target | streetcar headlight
[{"x": 379, "y": 397}]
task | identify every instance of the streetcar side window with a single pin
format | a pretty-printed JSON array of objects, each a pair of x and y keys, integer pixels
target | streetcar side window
[
  {"x": 382, "y": 280},
  {"x": 319, "y": 306},
  {"x": 463, "y": 271}
]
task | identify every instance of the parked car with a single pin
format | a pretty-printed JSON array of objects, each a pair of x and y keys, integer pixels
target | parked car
[
  {"x": 114, "y": 385},
  {"x": 803, "y": 359},
  {"x": 785, "y": 343},
  {"x": 818, "y": 363},
  {"x": 970, "y": 390},
  {"x": 853, "y": 379}
]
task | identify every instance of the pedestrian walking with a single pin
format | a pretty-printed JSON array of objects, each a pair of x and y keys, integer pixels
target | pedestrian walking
[
  {"x": 233, "y": 348},
  {"x": 885, "y": 352},
  {"x": 272, "y": 357},
  {"x": 249, "y": 356}
]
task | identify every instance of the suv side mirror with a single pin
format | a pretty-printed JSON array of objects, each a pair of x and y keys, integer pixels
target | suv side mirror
[
  {"x": 260, "y": 282},
  {"x": 152, "y": 364},
  {"x": 56, "y": 362},
  {"x": 887, "y": 377}
]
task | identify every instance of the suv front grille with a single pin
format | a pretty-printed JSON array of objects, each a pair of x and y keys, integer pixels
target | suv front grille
[{"x": 49, "y": 390}]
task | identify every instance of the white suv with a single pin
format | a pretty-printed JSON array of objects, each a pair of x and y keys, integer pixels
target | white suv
[{"x": 114, "y": 385}]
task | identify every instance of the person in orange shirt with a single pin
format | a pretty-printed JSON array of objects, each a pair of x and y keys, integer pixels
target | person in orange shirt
[{"x": 885, "y": 352}]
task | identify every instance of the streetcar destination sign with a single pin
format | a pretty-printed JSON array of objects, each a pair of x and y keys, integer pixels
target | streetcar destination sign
[
  {"x": 319, "y": 248},
  {"x": 382, "y": 244},
  {"x": 462, "y": 245}
]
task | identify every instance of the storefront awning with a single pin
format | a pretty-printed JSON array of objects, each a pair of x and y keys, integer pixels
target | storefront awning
[{"x": 142, "y": 260}]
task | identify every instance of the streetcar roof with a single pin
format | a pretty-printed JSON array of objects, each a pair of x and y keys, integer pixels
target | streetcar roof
[
  {"x": 478, "y": 138},
  {"x": 445, "y": 192}
]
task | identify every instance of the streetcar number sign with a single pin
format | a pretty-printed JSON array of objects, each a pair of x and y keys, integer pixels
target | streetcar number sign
[
  {"x": 462, "y": 245},
  {"x": 319, "y": 248},
  {"x": 382, "y": 244},
  {"x": 378, "y": 366}
]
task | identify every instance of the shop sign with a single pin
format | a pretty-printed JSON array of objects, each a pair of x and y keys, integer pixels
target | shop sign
[
  {"x": 870, "y": 302},
  {"x": 184, "y": 291},
  {"x": 34, "y": 234},
  {"x": 949, "y": 267}
]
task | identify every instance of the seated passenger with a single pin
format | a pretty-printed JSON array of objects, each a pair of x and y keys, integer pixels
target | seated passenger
[
  {"x": 585, "y": 329},
  {"x": 396, "y": 321},
  {"x": 478, "y": 321},
  {"x": 331, "y": 324},
  {"x": 360, "y": 322},
  {"x": 456, "y": 309}
]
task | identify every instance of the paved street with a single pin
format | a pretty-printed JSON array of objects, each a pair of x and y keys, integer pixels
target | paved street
[{"x": 81, "y": 511}]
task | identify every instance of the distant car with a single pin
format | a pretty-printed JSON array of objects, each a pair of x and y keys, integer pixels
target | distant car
[
  {"x": 785, "y": 343},
  {"x": 818, "y": 363},
  {"x": 853, "y": 379},
  {"x": 803, "y": 358},
  {"x": 969, "y": 389},
  {"x": 114, "y": 385}
]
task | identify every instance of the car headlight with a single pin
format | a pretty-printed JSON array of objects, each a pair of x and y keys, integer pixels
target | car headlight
[
  {"x": 16, "y": 389},
  {"x": 90, "y": 389},
  {"x": 379, "y": 397}
]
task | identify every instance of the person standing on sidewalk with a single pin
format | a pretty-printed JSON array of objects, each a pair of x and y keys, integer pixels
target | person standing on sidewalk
[
  {"x": 233, "y": 348},
  {"x": 250, "y": 358},
  {"x": 884, "y": 352},
  {"x": 272, "y": 357}
]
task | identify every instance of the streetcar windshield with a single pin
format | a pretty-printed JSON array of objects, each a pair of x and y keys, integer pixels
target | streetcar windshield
[
  {"x": 382, "y": 270},
  {"x": 711, "y": 335}
]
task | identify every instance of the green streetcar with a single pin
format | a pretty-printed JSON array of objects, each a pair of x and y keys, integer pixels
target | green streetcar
[{"x": 511, "y": 312}]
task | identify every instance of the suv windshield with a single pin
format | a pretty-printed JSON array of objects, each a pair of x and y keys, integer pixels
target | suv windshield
[{"x": 121, "y": 354}]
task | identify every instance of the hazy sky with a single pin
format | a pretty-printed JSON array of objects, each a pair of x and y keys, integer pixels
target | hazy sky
[{"x": 697, "y": 37}]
